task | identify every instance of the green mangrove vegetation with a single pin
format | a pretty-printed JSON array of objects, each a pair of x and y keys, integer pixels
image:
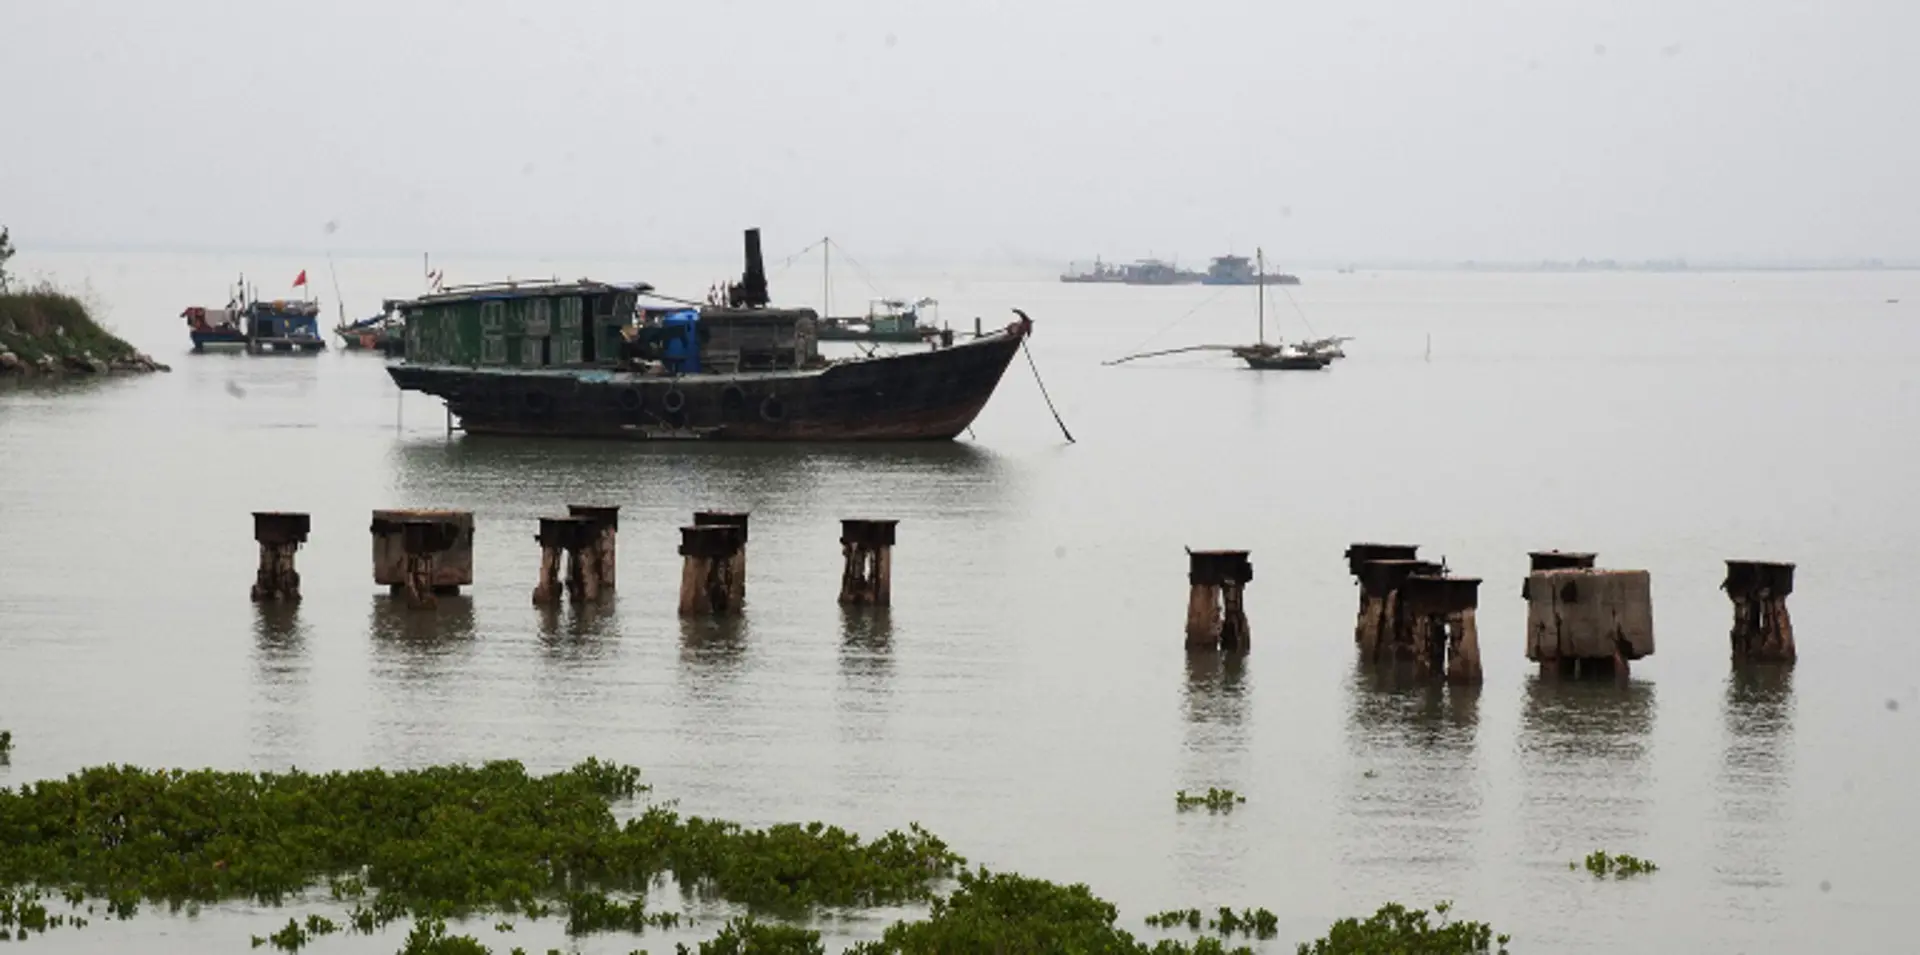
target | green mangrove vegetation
[
  {"x": 1602, "y": 865},
  {"x": 1214, "y": 800},
  {"x": 459, "y": 842},
  {"x": 1399, "y": 930}
]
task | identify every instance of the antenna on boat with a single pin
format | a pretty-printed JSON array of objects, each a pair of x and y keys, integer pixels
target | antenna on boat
[{"x": 826, "y": 276}]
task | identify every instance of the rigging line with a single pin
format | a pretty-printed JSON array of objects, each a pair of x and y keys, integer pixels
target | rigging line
[
  {"x": 1222, "y": 290},
  {"x": 1036, "y": 375},
  {"x": 857, "y": 267},
  {"x": 789, "y": 260},
  {"x": 1297, "y": 311}
]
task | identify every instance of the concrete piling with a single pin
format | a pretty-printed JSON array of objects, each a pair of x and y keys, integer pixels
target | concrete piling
[
  {"x": 1382, "y": 635},
  {"x": 1216, "y": 609},
  {"x": 706, "y": 573},
  {"x": 730, "y": 519},
  {"x": 606, "y": 523},
  {"x": 1762, "y": 628},
  {"x": 392, "y": 561},
  {"x": 867, "y": 578},
  {"x": 567, "y": 542},
  {"x": 1372, "y": 606},
  {"x": 1582, "y": 621},
  {"x": 424, "y": 541},
  {"x": 1436, "y": 614},
  {"x": 279, "y": 534}
]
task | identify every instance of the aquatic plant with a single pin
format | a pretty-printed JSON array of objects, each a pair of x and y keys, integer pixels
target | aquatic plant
[
  {"x": 1174, "y": 918},
  {"x": 1601, "y": 865},
  {"x": 294, "y": 936},
  {"x": 1259, "y": 923},
  {"x": 429, "y": 937},
  {"x": 431, "y": 843},
  {"x": 998, "y": 912},
  {"x": 1403, "y": 931},
  {"x": 6, "y": 742},
  {"x": 744, "y": 936},
  {"x": 1215, "y": 800}
]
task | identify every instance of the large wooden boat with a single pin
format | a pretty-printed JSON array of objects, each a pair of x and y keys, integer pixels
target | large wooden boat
[{"x": 605, "y": 360}]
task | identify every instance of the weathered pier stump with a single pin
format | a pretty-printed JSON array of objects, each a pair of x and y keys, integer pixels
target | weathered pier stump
[
  {"x": 1436, "y": 614},
  {"x": 1538, "y": 560},
  {"x": 1582, "y": 621},
  {"x": 1216, "y": 608},
  {"x": 452, "y": 566},
  {"x": 730, "y": 519},
  {"x": 706, "y": 573},
  {"x": 1382, "y": 634},
  {"x": 279, "y": 534},
  {"x": 1762, "y": 628},
  {"x": 606, "y": 521},
  {"x": 867, "y": 545},
  {"x": 424, "y": 541},
  {"x": 1372, "y": 607},
  {"x": 568, "y": 542}
]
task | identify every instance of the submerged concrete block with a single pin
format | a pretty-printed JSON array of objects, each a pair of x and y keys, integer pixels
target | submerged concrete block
[
  {"x": 452, "y": 567},
  {"x": 1587, "y": 614}
]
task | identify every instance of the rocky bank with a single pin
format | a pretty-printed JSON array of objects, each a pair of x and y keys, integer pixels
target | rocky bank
[{"x": 47, "y": 332}]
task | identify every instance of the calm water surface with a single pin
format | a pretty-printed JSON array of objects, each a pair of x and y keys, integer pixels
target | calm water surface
[{"x": 1028, "y": 697}]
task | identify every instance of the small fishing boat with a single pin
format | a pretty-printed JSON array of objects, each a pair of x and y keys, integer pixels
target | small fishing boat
[
  {"x": 257, "y": 325},
  {"x": 384, "y": 333},
  {"x": 216, "y": 328},
  {"x": 887, "y": 320},
  {"x": 1313, "y": 355}
]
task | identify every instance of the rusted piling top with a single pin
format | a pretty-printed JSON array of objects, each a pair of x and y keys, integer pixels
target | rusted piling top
[
  {"x": 867, "y": 532},
  {"x": 1432, "y": 593},
  {"x": 607, "y": 515},
  {"x": 1560, "y": 560},
  {"x": 725, "y": 519},
  {"x": 1381, "y": 577},
  {"x": 1216, "y": 567},
  {"x": 711, "y": 540},
  {"x": 1757, "y": 577},
  {"x": 428, "y": 536},
  {"x": 390, "y": 521},
  {"x": 280, "y": 527},
  {"x": 1360, "y": 555},
  {"x": 566, "y": 533}
]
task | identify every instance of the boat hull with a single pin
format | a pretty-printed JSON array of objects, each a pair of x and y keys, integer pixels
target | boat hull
[
  {"x": 1286, "y": 363},
  {"x": 218, "y": 339},
  {"x": 919, "y": 396}
]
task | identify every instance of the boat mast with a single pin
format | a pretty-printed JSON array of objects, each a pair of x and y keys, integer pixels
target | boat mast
[
  {"x": 1260, "y": 282},
  {"x": 826, "y": 276}
]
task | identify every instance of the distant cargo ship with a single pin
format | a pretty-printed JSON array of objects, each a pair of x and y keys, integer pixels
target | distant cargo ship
[
  {"x": 1225, "y": 270},
  {"x": 1239, "y": 270}
]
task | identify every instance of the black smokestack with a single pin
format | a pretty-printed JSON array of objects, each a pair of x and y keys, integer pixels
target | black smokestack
[{"x": 752, "y": 290}]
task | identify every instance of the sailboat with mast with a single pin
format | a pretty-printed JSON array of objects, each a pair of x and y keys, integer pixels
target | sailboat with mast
[
  {"x": 1278, "y": 356},
  {"x": 1263, "y": 355}
]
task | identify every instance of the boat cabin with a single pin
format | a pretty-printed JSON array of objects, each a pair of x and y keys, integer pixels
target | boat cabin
[{"x": 589, "y": 324}]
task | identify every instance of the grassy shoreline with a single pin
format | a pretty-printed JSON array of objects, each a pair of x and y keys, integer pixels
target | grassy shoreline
[{"x": 46, "y": 331}]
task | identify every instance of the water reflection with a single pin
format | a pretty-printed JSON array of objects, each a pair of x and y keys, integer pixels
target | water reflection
[
  {"x": 578, "y": 634},
  {"x": 712, "y": 647},
  {"x": 423, "y": 641},
  {"x": 866, "y": 669},
  {"x": 1583, "y": 753},
  {"x": 1757, "y": 718},
  {"x": 281, "y": 669},
  {"x": 745, "y": 472},
  {"x": 866, "y": 644},
  {"x": 1411, "y": 794},
  {"x": 1215, "y": 693}
]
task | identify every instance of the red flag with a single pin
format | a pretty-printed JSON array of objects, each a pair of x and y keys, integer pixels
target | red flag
[{"x": 302, "y": 280}]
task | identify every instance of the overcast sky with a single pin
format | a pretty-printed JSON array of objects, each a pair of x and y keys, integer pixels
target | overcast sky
[{"x": 1361, "y": 128}]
